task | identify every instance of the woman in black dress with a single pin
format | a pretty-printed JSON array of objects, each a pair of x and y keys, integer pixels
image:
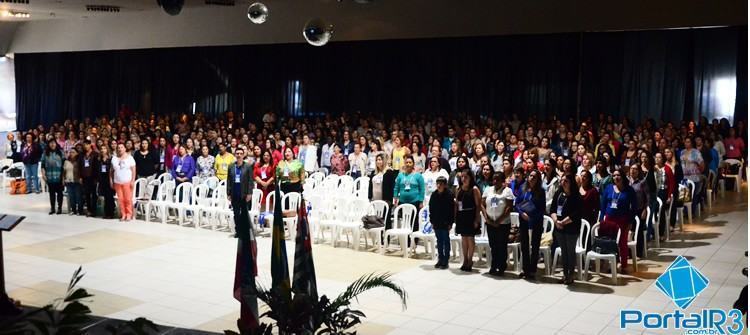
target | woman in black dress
[{"x": 468, "y": 208}]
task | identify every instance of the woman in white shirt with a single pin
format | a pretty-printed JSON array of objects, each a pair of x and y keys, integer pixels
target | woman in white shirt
[
  {"x": 430, "y": 177},
  {"x": 377, "y": 177},
  {"x": 122, "y": 178},
  {"x": 496, "y": 207},
  {"x": 419, "y": 157}
]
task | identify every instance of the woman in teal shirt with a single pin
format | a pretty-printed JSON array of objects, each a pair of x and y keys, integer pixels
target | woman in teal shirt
[
  {"x": 409, "y": 188},
  {"x": 52, "y": 167}
]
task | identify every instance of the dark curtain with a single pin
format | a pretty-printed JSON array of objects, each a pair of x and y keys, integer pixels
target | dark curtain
[{"x": 658, "y": 74}]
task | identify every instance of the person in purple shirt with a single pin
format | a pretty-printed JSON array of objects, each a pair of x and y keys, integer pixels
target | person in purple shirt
[
  {"x": 618, "y": 210},
  {"x": 183, "y": 166}
]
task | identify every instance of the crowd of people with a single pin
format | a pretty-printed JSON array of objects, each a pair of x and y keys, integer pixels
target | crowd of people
[{"x": 468, "y": 171}]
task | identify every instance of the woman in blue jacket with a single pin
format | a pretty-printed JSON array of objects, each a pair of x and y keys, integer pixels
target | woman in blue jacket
[
  {"x": 619, "y": 206},
  {"x": 530, "y": 207}
]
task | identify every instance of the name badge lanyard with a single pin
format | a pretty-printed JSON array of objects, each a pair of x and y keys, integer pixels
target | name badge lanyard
[
  {"x": 407, "y": 183},
  {"x": 613, "y": 204},
  {"x": 237, "y": 174},
  {"x": 561, "y": 206}
]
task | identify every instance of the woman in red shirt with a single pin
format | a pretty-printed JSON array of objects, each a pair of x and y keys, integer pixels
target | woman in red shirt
[{"x": 263, "y": 174}]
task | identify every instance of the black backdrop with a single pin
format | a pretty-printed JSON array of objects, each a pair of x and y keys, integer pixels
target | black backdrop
[{"x": 664, "y": 74}]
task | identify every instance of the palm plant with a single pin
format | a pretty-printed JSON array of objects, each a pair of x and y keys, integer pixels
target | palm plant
[{"x": 305, "y": 315}]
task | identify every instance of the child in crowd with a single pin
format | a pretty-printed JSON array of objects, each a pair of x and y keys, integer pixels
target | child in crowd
[{"x": 442, "y": 217}]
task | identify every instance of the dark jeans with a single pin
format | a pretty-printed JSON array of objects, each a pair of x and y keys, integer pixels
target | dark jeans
[
  {"x": 55, "y": 195},
  {"x": 109, "y": 199},
  {"x": 568, "y": 251},
  {"x": 74, "y": 197},
  {"x": 241, "y": 218},
  {"x": 498, "y": 238},
  {"x": 530, "y": 254},
  {"x": 443, "y": 245},
  {"x": 88, "y": 195}
]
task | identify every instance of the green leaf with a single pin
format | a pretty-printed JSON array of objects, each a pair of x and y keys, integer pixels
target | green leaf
[
  {"x": 78, "y": 295},
  {"x": 76, "y": 278},
  {"x": 76, "y": 308}
]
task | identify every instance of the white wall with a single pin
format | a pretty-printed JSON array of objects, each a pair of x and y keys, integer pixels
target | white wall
[
  {"x": 383, "y": 19},
  {"x": 7, "y": 95}
]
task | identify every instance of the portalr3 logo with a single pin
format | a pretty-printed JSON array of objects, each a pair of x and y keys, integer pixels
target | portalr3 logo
[{"x": 682, "y": 283}]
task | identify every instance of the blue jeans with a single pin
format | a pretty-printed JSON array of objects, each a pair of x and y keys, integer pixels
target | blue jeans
[
  {"x": 32, "y": 178},
  {"x": 443, "y": 245},
  {"x": 75, "y": 205}
]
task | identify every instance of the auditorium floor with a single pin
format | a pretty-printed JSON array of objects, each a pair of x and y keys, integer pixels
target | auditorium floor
[{"x": 182, "y": 276}]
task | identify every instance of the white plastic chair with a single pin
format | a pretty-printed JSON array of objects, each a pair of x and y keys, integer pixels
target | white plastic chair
[
  {"x": 291, "y": 202},
  {"x": 710, "y": 186},
  {"x": 402, "y": 226},
  {"x": 597, "y": 257},
  {"x": 181, "y": 201},
  {"x": 346, "y": 185},
  {"x": 325, "y": 217},
  {"x": 255, "y": 209},
  {"x": 317, "y": 176},
  {"x": 42, "y": 184},
  {"x": 482, "y": 243},
  {"x": 362, "y": 187},
  {"x": 164, "y": 196},
  {"x": 270, "y": 203},
  {"x": 456, "y": 243},
  {"x": 737, "y": 177},
  {"x": 689, "y": 205},
  {"x": 351, "y": 221},
  {"x": 199, "y": 204},
  {"x": 656, "y": 220},
  {"x": 164, "y": 177},
  {"x": 581, "y": 243},
  {"x": 139, "y": 195},
  {"x": 515, "y": 247},
  {"x": 379, "y": 208},
  {"x": 633, "y": 243},
  {"x": 430, "y": 240},
  {"x": 546, "y": 250}
]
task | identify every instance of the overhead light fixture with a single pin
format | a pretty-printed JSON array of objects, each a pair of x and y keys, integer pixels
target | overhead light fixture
[
  {"x": 102, "y": 8},
  {"x": 15, "y": 14}
]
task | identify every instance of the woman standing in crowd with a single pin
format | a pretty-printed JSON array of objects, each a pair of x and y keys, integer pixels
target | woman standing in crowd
[
  {"x": 693, "y": 167},
  {"x": 339, "y": 162},
  {"x": 171, "y": 151},
  {"x": 454, "y": 181},
  {"x": 206, "y": 165},
  {"x": 72, "y": 179},
  {"x": 665, "y": 185},
  {"x": 222, "y": 162},
  {"x": 183, "y": 166},
  {"x": 468, "y": 214},
  {"x": 498, "y": 202},
  {"x": 290, "y": 173},
  {"x": 375, "y": 150},
  {"x": 566, "y": 213},
  {"x": 31, "y": 154},
  {"x": 430, "y": 177},
  {"x": 357, "y": 161},
  {"x": 409, "y": 189},
  {"x": 485, "y": 178},
  {"x": 618, "y": 209},
  {"x": 398, "y": 154},
  {"x": 590, "y": 201},
  {"x": 550, "y": 182},
  {"x": 146, "y": 163},
  {"x": 105, "y": 188},
  {"x": 122, "y": 179},
  {"x": 52, "y": 166},
  {"x": 264, "y": 175},
  {"x": 419, "y": 157},
  {"x": 161, "y": 152},
  {"x": 530, "y": 208}
]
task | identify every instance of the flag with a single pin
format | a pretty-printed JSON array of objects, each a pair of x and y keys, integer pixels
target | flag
[
  {"x": 279, "y": 265},
  {"x": 245, "y": 271},
  {"x": 304, "y": 269}
]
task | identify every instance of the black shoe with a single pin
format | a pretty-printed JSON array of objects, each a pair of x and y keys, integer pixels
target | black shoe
[
  {"x": 492, "y": 272},
  {"x": 562, "y": 280},
  {"x": 52, "y": 212},
  {"x": 59, "y": 211},
  {"x": 438, "y": 265},
  {"x": 570, "y": 280},
  {"x": 444, "y": 266},
  {"x": 521, "y": 274}
]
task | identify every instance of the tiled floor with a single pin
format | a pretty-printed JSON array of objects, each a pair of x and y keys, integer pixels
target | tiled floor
[{"x": 182, "y": 276}]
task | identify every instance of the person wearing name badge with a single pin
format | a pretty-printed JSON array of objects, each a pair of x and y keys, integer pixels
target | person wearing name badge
[
  {"x": 497, "y": 204},
  {"x": 339, "y": 162},
  {"x": 290, "y": 173},
  {"x": 409, "y": 188},
  {"x": 183, "y": 166},
  {"x": 431, "y": 175},
  {"x": 378, "y": 181},
  {"x": 308, "y": 153},
  {"x": 105, "y": 188},
  {"x": 357, "y": 161},
  {"x": 171, "y": 151},
  {"x": 398, "y": 154},
  {"x": 222, "y": 162},
  {"x": 264, "y": 175},
  {"x": 89, "y": 177},
  {"x": 566, "y": 214},
  {"x": 454, "y": 179},
  {"x": 530, "y": 207},
  {"x": 618, "y": 209},
  {"x": 468, "y": 215},
  {"x": 122, "y": 180},
  {"x": 240, "y": 186},
  {"x": 52, "y": 168},
  {"x": 375, "y": 150},
  {"x": 205, "y": 165},
  {"x": 161, "y": 152}
]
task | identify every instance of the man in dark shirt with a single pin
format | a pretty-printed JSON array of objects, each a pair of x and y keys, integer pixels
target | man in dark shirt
[
  {"x": 89, "y": 163},
  {"x": 442, "y": 216}
]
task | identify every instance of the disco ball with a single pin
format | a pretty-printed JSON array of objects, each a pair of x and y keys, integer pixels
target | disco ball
[
  {"x": 317, "y": 32},
  {"x": 257, "y": 13}
]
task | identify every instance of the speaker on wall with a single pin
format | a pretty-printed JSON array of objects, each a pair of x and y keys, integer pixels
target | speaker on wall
[{"x": 172, "y": 7}]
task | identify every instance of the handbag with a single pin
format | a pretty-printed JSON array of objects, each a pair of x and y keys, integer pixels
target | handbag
[
  {"x": 18, "y": 186},
  {"x": 527, "y": 206},
  {"x": 546, "y": 239},
  {"x": 684, "y": 194},
  {"x": 372, "y": 221},
  {"x": 14, "y": 173},
  {"x": 605, "y": 245}
]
